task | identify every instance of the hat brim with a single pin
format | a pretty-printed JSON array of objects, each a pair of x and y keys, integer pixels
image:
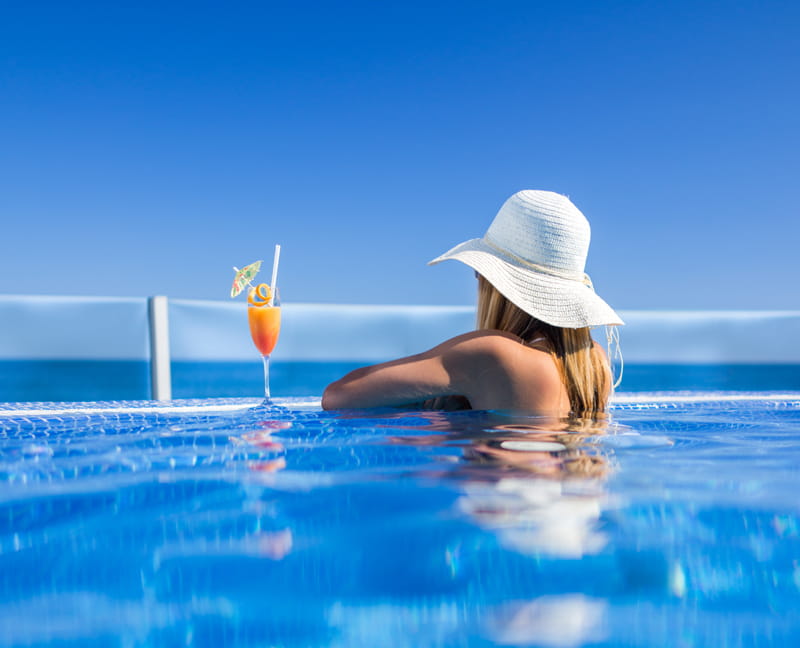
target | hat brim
[{"x": 554, "y": 300}]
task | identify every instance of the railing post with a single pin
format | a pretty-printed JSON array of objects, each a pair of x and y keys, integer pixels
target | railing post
[{"x": 160, "y": 378}]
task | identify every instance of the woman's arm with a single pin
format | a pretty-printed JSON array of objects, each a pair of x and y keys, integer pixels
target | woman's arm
[
  {"x": 491, "y": 369},
  {"x": 452, "y": 368},
  {"x": 407, "y": 380}
]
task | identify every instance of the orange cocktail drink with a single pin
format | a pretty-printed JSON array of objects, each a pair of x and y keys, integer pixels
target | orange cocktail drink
[
  {"x": 264, "y": 316},
  {"x": 264, "y": 309},
  {"x": 265, "y": 325}
]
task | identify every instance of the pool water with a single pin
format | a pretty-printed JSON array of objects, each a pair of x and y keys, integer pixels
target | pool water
[{"x": 228, "y": 522}]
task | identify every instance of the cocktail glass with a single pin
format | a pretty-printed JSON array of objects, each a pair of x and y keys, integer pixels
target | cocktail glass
[{"x": 265, "y": 326}]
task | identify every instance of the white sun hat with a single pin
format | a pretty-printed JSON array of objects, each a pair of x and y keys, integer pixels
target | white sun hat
[{"x": 534, "y": 253}]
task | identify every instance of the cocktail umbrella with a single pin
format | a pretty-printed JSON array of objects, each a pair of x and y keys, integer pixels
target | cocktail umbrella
[{"x": 244, "y": 277}]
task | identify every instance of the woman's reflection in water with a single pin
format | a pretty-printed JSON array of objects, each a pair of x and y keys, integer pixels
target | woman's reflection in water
[{"x": 537, "y": 483}]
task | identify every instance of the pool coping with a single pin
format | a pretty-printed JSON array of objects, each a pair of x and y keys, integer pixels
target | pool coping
[{"x": 201, "y": 406}]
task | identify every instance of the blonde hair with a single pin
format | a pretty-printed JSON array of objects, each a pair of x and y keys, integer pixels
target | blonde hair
[{"x": 583, "y": 367}]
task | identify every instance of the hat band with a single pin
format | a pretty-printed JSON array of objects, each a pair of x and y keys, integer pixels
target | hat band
[{"x": 540, "y": 268}]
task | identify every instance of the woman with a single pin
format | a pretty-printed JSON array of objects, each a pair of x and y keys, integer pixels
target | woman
[{"x": 532, "y": 350}]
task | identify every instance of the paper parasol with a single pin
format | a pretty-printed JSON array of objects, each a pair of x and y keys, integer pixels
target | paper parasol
[{"x": 244, "y": 277}]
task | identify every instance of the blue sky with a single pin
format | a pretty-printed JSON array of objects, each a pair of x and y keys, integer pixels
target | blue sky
[{"x": 145, "y": 148}]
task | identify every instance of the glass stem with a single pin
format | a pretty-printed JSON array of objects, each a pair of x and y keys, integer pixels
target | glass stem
[{"x": 265, "y": 358}]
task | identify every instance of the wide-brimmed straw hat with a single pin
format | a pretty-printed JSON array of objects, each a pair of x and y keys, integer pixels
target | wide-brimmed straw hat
[{"x": 534, "y": 253}]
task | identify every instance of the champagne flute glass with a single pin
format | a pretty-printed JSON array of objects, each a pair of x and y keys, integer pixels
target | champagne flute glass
[{"x": 265, "y": 325}]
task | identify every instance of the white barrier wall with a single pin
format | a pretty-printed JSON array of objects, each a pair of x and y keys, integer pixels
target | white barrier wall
[
  {"x": 117, "y": 328},
  {"x": 711, "y": 337},
  {"x": 73, "y": 328}
]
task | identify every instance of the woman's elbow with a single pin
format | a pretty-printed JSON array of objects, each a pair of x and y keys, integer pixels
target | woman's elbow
[
  {"x": 341, "y": 393},
  {"x": 332, "y": 396}
]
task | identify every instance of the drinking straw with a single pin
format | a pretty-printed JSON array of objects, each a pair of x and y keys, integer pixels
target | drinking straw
[{"x": 274, "y": 283}]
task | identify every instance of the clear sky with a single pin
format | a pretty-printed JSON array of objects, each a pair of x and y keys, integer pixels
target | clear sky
[{"x": 146, "y": 147}]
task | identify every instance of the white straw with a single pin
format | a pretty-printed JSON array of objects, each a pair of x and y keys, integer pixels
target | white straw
[{"x": 274, "y": 284}]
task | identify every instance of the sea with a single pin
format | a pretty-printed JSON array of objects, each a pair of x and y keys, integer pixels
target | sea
[{"x": 73, "y": 380}]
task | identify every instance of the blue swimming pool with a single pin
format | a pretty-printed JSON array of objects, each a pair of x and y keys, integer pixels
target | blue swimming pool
[{"x": 224, "y": 522}]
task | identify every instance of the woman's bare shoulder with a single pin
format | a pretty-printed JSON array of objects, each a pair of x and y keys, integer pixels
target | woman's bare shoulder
[{"x": 495, "y": 369}]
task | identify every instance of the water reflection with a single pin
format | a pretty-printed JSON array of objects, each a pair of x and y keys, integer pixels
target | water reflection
[
  {"x": 566, "y": 620},
  {"x": 265, "y": 445},
  {"x": 537, "y": 483}
]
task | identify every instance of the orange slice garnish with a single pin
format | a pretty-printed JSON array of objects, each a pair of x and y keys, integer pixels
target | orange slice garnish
[{"x": 260, "y": 295}]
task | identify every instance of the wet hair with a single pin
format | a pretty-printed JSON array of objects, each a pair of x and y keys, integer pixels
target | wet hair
[{"x": 583, "y": 366}]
